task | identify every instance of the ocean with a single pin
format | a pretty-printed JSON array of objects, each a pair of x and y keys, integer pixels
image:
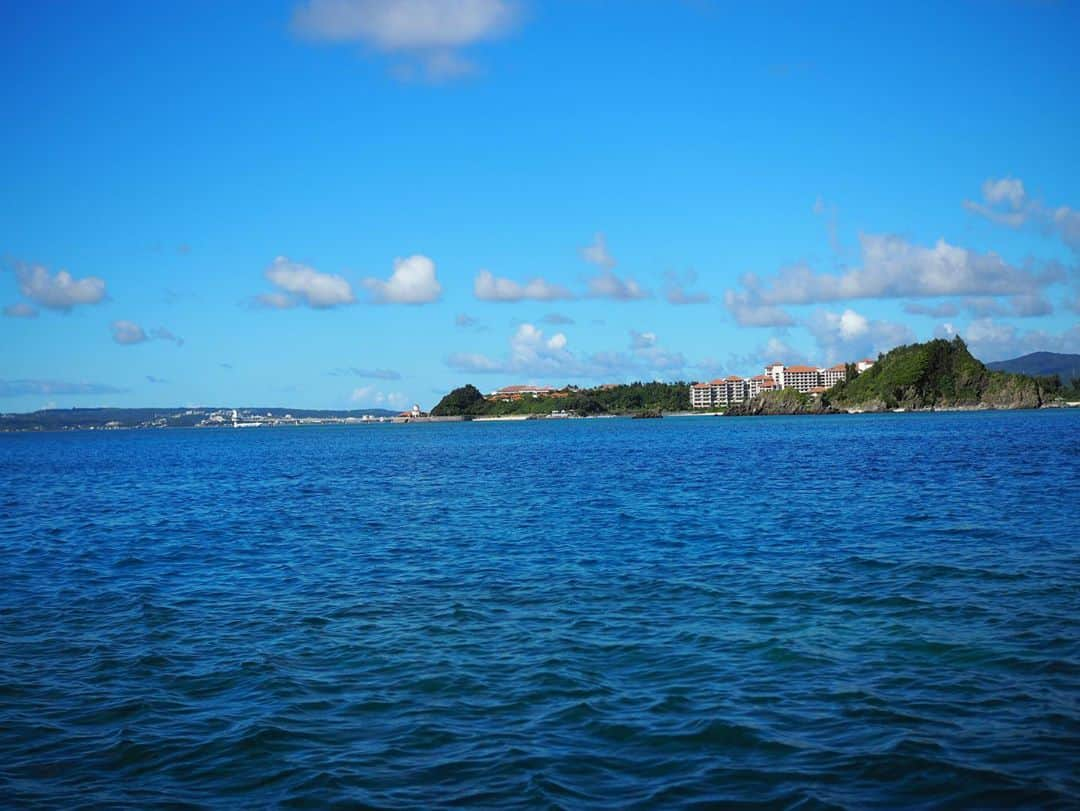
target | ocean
[{"x": 877, "y": 611}]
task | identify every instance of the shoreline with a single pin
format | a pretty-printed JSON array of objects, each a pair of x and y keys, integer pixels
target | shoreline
[{"x": 513, "y": 418}]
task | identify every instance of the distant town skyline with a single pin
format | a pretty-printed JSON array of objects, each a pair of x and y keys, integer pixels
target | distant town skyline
[{"x": 366, "y": 203}]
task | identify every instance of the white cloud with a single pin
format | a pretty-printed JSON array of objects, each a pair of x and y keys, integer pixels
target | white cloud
[
  {"x": 21, "y": 388},
  {"x": 372, "y": 397},
  {"x": 984, "y": 306},
  {"x": 557, "y": 318},
  {"x": 647, "y": 354},
  {"x": 1006, "y": 202},
  {"x": 428, "y": 34},
  {"x": 60, "y": 291},
  {"x": 377, "y": 374},
  {"x": 831, "y": 214},
  {"x": 303, "y": 283},
  {"x": 892, "y": 267},
  {"x": 775, "y": 349},
  {"x": 128, "y": 332},
  {"x": 606, "y": 284},
  {"x": 1007, "y": 189},
  {"x": 945, "y": 309},
  {"x": 1030, "y": 305},
  {"x": 532, "y": 353},
  {"x": 20, "y": 310},
  {"x": 488, "y": 287},
  {"x": 163, "y": 334},
  {"x": 849, "y": 335},
  {"x": 750, "y": 312},
  {"x": 991, "y": 340},
  {"x": 412, "y": 282},
  {"x": 675, "y": 289},
  {"x": 273, "y": 301},
  {"x": 596, "y": 253}
]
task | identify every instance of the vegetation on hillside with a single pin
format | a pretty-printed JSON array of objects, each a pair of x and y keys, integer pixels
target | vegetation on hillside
[
  {"x": 780, "y": 401},
  {"x": 464, "y": 401},
  {"x": 630, "y": 398},
  {"x": 935, "y": 374}
]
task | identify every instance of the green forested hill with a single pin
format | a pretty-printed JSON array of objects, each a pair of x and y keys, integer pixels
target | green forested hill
[
  {"x": 936, "y": 374},
  {"x": 630, "y": 398}
]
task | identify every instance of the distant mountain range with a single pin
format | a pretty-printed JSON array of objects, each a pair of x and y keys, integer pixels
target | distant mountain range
[{"x": 1037, "y": 364}]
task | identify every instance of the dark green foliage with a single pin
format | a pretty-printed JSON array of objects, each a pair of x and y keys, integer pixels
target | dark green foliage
[
  {"x": 641, "y": 396},
  {"x": 464, "y": 401},
  {"x": 935, "y": 374},
  {"x": 625, "y": 399}
]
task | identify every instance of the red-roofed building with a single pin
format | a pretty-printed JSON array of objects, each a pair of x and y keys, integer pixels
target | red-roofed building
[
  {"x": 800, "y": 378},
  {"x": 719, "y": 393},
  {"x": 806, "y": 379},
  {"x": 518, "y": 392},
  {"x": 833, "y": 375}
]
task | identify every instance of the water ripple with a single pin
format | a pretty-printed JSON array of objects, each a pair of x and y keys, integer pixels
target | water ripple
[{"x": 874, "y": 611}]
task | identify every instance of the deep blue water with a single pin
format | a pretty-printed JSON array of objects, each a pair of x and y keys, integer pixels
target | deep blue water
[{"x": 873, "y": 611}]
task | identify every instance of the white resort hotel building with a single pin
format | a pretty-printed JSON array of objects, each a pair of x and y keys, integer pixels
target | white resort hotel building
[{"x": 734, "y": 389}]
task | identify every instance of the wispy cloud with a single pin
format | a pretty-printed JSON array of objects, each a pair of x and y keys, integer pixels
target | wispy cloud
[
  {"x": 1006, "y": 201},
  {"x": 376, "y": 374},
  {"x": 596, "y": 253},
  {"x": 426, "y": 37},
  {"x": 489, "y": 287},
  {"x": 606, "y": 284},
  {"x": 372, "y": 397},
  {"x": 20, "y": 310},
  {"x": 749, "y": 311},
  {"x": 22, "y": 388},
  {"x": 676, "y": 292},
  {"x": 991, "y": 340},
  {"x": 557, "y": 318},
  {"x": 831, "y": 214},
  {"x": 129, "y": 333},
  {"x": 944, "y": 309},
  {"x": 535, "y": 354}
]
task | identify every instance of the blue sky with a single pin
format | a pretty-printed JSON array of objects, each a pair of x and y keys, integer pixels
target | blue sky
[{"x": 353, "y": 203}]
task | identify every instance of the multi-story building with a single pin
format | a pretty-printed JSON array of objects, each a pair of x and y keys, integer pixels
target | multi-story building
[
  {"x": 518, "y": 392},
  {"x": 701, "y": 395},
  {"x": 759, "y": 383},
  {"x": 719, "y": 393},
  {"x": 800, "y": 378},
  {"x": 833, "y": 375},
  {"x": 806, "y": 379}
]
